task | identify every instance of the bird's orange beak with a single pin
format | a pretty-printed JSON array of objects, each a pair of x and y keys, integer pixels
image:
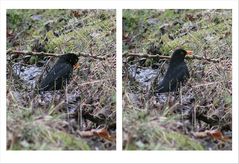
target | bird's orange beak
[
  {"x": 76, "y": 66},
  {"x": 189, "y": 52}
]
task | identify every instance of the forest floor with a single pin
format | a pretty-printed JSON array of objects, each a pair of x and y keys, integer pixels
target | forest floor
[
  {"x": 199, "y": 116},
  {"x": 83, "y": 115}
]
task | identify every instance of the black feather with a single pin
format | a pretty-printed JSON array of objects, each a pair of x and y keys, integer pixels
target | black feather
[
  {"x": 60, "y": 73},
  {"x": 177, "y": 73}
]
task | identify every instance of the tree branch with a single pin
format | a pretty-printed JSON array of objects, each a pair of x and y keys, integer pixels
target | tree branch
[
  {"x": 168, "y": 57},
  {"x": 51, "y": 54}
]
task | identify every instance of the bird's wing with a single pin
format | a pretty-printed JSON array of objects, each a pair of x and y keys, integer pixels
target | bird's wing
[
  {"x": 173, "y": 76},
  {"x": 181, "y": 73},
  {"x": 62, "y": 70}
]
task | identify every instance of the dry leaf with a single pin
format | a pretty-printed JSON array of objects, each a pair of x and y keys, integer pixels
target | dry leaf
[
  {"x": 215, "y": 134},
  {"x": 103, "y": 133}
]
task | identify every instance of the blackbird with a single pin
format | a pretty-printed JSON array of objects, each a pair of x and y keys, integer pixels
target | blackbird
[
  {"x": 177, "y": 73},
  {"x": 60, "y": 73}
]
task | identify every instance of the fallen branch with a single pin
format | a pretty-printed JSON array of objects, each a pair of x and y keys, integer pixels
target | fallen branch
[
  {"x": 145, "y": 55},
  {"x": 211, "y": 83},
  {"x": 207, "y": 120},
  {"x": 99, "y": 120},
  {"x": 203, "y": 58},
  {"x": 51, "y": 54},
  {"x": 168, "y": 57},
  {"x": 95, "y": 81},
  {"x": 94, "y": 118}
]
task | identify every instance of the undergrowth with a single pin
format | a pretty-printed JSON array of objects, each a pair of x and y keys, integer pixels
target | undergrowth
[
  {"x": 187, "y": 120},
  {"x": 56, "y": 121}
]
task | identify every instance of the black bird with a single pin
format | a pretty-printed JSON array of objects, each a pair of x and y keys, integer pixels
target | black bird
[
  {"x": 177, "y": 73},
  {"x": 60, "y": 73}
]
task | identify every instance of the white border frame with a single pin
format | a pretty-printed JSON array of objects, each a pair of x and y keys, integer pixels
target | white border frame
[{"x": 118, "y": 156}]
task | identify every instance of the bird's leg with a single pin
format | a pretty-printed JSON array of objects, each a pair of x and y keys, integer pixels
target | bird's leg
[
  {"x": 66, "y": 101},
  {"x": 180, "y": 94}
]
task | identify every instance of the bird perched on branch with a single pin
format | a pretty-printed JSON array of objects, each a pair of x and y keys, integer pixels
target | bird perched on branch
[
  {"x": 60, "y": 73},
  {"x": 177, "y": 73}
]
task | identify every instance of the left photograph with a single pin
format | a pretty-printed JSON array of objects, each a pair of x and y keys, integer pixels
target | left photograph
[{"x": 61, "y": 79}]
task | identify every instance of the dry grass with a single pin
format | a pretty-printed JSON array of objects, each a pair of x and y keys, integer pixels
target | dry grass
[
  {"x": 203, "y": 104},
  {"x": 55, "y": 120}
]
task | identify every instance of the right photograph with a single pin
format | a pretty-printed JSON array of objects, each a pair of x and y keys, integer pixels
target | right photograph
[{"x": 177, "y": 79}]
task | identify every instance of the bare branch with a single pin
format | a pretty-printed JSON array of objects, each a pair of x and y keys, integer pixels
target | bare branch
[
  {"x": 51, "y": 54},
  {"x": 95, "y": 81},
  {"x": 168, "y": 57}
]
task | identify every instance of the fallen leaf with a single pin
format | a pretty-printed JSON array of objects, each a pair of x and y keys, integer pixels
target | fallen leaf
[
  {"x": 215, "y": 134},
  {"x": 103, "y": 133}
]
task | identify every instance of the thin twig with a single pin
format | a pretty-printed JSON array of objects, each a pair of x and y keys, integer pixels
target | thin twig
[
  {"x": 145, "y": 55},
  {"x": 52, "y": 54},
  {"x": 211, "y": 83},
  {"x": 168, "y": 57},
  {"x": 94, "y": 81}
]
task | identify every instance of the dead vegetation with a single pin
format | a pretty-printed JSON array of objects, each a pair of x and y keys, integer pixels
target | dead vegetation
[
  {"x": 60, "y": 120},
  {"x": 199, "y": 117}
]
